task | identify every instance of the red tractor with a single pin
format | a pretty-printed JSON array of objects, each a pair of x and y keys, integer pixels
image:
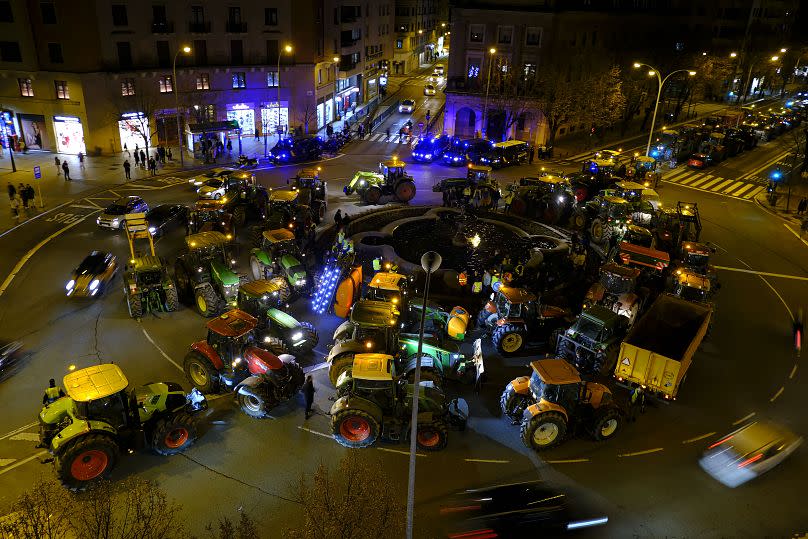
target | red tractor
[{"x": 229, "y": 358}]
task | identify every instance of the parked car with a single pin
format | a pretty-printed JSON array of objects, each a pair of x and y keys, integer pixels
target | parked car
[
  {"x": 407, "y": 106},
  {"x": 462, "y": 150},
  {"x": 439, "y": 68},
  {"x": 436, "y": 77},
  {"x": 503, "y": 154},
  {"x": 431, "y": 148},
  {"x": 164, "y": 217},
  {"x": 429, "y": 89},
  {"x": 113, "y": 215},
  {"x": 218, "y": 172},
  {"x": 297, "y": 149},
  {"x": 699, "y": 160}
]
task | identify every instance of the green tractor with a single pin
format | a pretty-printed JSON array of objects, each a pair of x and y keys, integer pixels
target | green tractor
[
  {"x": 604, "y": 215},
  {"x": 86, "y": 430},
  {"x": 147, "y": 285},
  {"x": 312, "y": 191},
  {"x": 280, "y": 332},
  {"x": 204, "y": 274},
  {"x": 374, "y": 403},
  {"x": 284, "y": 210},
  {"x": 279, "y": 256},
  {"x": 391, "y": 180},
  {"x": 592, "y": 343}
]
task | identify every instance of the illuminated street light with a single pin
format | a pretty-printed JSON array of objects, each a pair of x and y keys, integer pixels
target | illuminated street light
[
  {"x": 704, "y": 54},
  {"x": 784, "y": 50},
  {"x": 733, "y": 54},
  {"x": 775, "y": 58},
  {"x": 287, "y": 49},
  {"x": 492, "y": 51},
  {"x": 185, "y": 49},
  {"x": 653, "y": 71}
]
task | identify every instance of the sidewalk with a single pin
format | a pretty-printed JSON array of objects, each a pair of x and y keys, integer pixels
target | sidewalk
[{"x": 779, "y": 209}]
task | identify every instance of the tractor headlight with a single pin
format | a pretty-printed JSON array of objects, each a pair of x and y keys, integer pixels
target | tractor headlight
[
  {"x": 455, "y": 356},
  {"x": 98, "y": 220},
  {"x": 236, "y": 361},
  {"x": 297, "y": 336},
  {"x": 300, "y": 282},
  {"x": 152, "y": 230},
  {"x": 361, "y": 182},
  {"x": 70, "y": 284},
  {"x": 232, "y": 262},
  {"x": 199, "y": 270},
  {"x": 94, "y": 284},
  {"x": 267, "y": 339},
  {"x": 560, "y": 199}
]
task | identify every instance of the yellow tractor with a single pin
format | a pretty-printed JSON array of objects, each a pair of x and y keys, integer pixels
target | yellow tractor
[{"x": 555, "y": 401}]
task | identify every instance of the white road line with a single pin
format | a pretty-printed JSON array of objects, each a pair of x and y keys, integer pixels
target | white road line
[
  {"x": 713, "y": 182},
  {"x": 742, "y": 189},
  {"x": 23, "y": 461},
  {"x": 677, "y": 172},
  {"x": 750, "y": 194},
  {"x": 566, "y": 461},
  {"x": 721, "y": 186},
  {"x": 766, "y": 273},
  {"x": 646, "y": 452},
  {"x": 19, "y": 429},
  {"x": 744, "y": 418},
  {"x": 689, "y": 179},
  {"x": 697, "y": 438},
  {"x": 779, "y": 392},
  {"x": 763, "y": 167},
  {"x": 161, "y": 350},
  {"x": 795, "y": 233},
  {"x": 488, "y": 461},
  {"x": 6, "y": 462},
  {"x": 701, "y": 181},
  {"x": 317, "y": 433},
  {"x": 85, "y": 206},
  {"x": 26, "y": 437},
  {"x": 793, "y": 372},
  {"x": 34, "y": 218},
  {"x": 733, "y": 187},
  {"x": 399, "y": 451}
]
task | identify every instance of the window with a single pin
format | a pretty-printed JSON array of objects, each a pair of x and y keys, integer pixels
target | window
[
  {"x": 55, "y": 53},
  {"x": 127, "y": 87},
  {"x": 207, "y": 113},
  {"x": 533, "y": 36},
  {"x": 48, "y": 11},
  {"x": 10, "y": 51},
  {"x": 61, "y": 89},
  {"x": 528, "y": 72},
  {"x": 473, "y": 67},
  {"x": 271, "y": 16},
  {"x": 319, "y": 76},
  {"x": 505, "y": 35},
  {"x": 476, "y": 33},
  {"x": 124, "y": 54},
  {"x": 272, "y": 79},
  {"x": 239, "y": 80},
  {"x": 197, "y": 14},
  {"x": 200, "y": 52},
  {"x": 234, "y": 15},
  {"x": 272, "y": 51},
  {"x": 166, "y": 84},
  {"x": 203, "y": 81},
  {"x": 163, "y": 56},
  {"x": 119, "y": 17},
  {"x": 6, "y": 14},
  {"x": 26, "y": 89},
  {"x": 159, "y": 14},
  {"x": 236, "y": 52}
]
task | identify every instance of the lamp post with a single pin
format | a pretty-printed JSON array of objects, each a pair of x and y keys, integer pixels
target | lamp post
[
  {"x": 287, "y": 49},
  {"x": 336, "y": 80},
  {"x": 653, "y": 71},
  {"x": 492, "y": 51},
  {"x": 186, "y": 49},
  {"x": 430, "y": 262}
]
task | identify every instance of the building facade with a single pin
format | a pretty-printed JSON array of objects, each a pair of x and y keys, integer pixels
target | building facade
[{"x": 420, "y": 26}]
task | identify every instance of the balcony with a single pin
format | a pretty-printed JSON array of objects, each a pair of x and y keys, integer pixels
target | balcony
[
  {"x": 236, "y": 27},
  {"x": 199, "y": 27},
  {"x": 162, "y": 27},
  {"x": 349, "y": 14},
  {"x": 374, "y": 55},
  {"x": 345, "y": 43}
]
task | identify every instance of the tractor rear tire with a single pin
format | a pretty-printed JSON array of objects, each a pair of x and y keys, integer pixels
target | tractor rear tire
[
  {"x": 86, "y": 460},
  {"x": 174, "y": 434},
  {"x": 340, "y": 364},
  {"x": 172, "y": 299},
  {"x": 432, "y": 436},
  {"x": 509, "y": 339},
  {"x": 256, "y": 235},
  {"x": 606, "y": 362},
  {"x": 355, "y": 428},
  {"x": 284, "y": 292},
  {"x": 256, "y": 404},
  {"x": 373, "y": 195},
  {"x": 599, "y": 231},
  {"x": 518, "y": 207},
  {"x": 274, "y": 345},
  {"x": 257, "y": 268},
  {"x": 543, "y": 431},
  {"x": 135, "y": 305},
  {"x": 605, "y": 424},
  {"x": 512, "y": 403},
  {"x": 310, "y": 338},
  {"x": 206, "y": 301},
  {"x": 240, "y": 216},
  {"x": 405, "y": 191},
  {"x": 201, "y": 372},
  {"x": 578, "y": 220}
]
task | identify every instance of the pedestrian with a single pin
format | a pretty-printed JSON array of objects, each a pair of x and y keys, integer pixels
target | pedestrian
[
  {"x": 23, "y": 195},
  {"x": 52, "y": 392},
  {"x": 126, "y": 148},
  {"x": 308, "y": 394},
  {"x": 329, "y": 130},
  {"x": 170, "y": 157},
  {"x": 142, "y": 159},
  {"x": 137, "y": 150},
  {"x": 346, "y": 220},
  {"x": 126, "y": 169},
  {"x": 445, "y": 193},
  {"x": 15, "y": 207},
  {"x": 495, "y": 196},
  {"x": 11, "y": 191},
  {"x": 81, "y": 161},
  {"x": 802, "y": 206},
  {"x": 531, "y": 151},
  {"x": 137, "y": 159},
  {"x": 153, "y": 166},
  {"x": 31, "y": 195},
  {"x": 229, "y": 146},
  {"x": 338, "y": 219},
  {"x": 58, "y": 165},
  {"x": 361, "y": 132},
  {"x": 66, "y": 170},
  {"x": 636, "y": 404}
]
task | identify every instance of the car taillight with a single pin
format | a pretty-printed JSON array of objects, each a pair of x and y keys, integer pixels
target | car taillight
[
  {"x": 475, "y": 534},
  {"x": 721, "y": 441},
  {"x": 749, "y": 461}
]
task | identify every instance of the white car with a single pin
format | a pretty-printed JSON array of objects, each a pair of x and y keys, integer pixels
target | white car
[
  {"x": 218, "y": 172},
  {"x": 213, "y": 189},
  {"x": 748, "y": 452},
  {"x": 429, "y": 89},
  {"x": 436, "y": 77},
  {"x": 407, "y": 106},
  {"x": 439, "y": 69}
]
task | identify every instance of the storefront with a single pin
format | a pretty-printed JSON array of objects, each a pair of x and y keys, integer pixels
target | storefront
[
  {"x": 325, "y": 111},
  {"x": 32, "y": 127},
  {"x": 131, "y": 130},
  {"x": 69, "y": 134},
  {"x": 270, "y": 112},
  {"x": 8, "y": 129},
  {"x": 244, "y": 115}
]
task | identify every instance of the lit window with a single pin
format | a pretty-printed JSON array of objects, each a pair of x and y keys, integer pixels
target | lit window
[
  {"x": 476, "y": 33},
  {"x": 62, "y": 91},
  {"x": 272, "y": 79},
  {"x": 128, "y": 87},
  {"x": 203, "y": 81},
  {"x": 26, "y": 89},
  {"x": 166, "y": 84},
  {"x": 239, "y": 80},
  {"x": 533, "y": 36}
]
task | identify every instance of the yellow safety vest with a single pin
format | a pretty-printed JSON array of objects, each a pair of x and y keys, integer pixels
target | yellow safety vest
[
  {"x": 377, "y": 264},
  {"x": 52, "y": 393},
  {"x": 477, "y": 287}
]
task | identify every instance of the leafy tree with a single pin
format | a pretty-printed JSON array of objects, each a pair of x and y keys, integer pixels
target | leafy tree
[
  {"x": 602, "y": 100},
  {"x": 557, "y": 100}
]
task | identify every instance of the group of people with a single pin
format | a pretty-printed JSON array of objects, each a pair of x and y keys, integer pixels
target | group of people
[
  {"x": 478, "y": 197},
  {"x": 20, "y": 198}
]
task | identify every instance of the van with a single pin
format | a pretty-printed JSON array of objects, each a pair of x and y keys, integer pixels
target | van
[{"x": 503, "y": 154}]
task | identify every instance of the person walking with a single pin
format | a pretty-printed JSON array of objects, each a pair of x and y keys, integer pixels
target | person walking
[
  {"x": 31, "y": 195},
  {"x": 308, "y": 394},
  {"x": 387, "y": 135},
  {"x": 66, "y": 170},
  {"x": 137, "y": 158},
  {"x": 52, "y": 393},
  {"x": 170, "y": 157},
  {"x": 338, "y": 219},
  {"x": 81, "y": 161},
  {"x": 636, "y": 404},
  {"x": 126, "y": 169},
  {"x": 15, "y": 207},
  {"x": 531, "y": 152},
  {"x": 802, "y": 206},
  {"x": 11, "y": 191},
  {"x": 23, "y": 195},
  {"x": 58, "y": 166},
  {"x": 346, "y": 220},
  {"x": 153, "y": 166},
  {"x": 142, "y": 159},
  {"x": 229, "y": 146}
]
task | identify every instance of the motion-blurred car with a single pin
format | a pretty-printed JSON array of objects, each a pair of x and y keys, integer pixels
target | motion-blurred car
[
  {"x": 436, "y": 77},
  {"x": 407, "y": 106},
  {"x": 164, "y": 217},
  {"x": 429, "y": 89},
  {"x": 93, "y": 275},
  {"x": 699, "y": 160},
  {"x": 430, "y": 148},
  {"x": 512, "y": 510},
  {"x": 213, "y": 189},
  {"x": 439, "y": 69},
  {"x": 748, "y": 452},
  {"x": 113, "y": 215},
  {"x": 212, "y": 174}
]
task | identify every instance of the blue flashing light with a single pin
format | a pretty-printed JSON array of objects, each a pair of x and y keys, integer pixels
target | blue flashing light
[
  {"x": 655, "y": 153},
  {"x": 593, "y": 168},
  {"x": 776, "y": 175}
]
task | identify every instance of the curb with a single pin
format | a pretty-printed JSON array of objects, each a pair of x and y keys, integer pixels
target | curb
[{"x": 764, "y": 205}]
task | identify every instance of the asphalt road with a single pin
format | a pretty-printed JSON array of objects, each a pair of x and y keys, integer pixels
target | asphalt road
[{"x": 646, "y": 479}]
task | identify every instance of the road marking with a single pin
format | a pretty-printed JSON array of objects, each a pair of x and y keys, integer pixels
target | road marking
[
  {"x": 701, "y": 180},
  {"x": 6, "y": 462},
  {"x": 23, "y": 461},
  {"x": 566, "y": 461},
  {"x": 733, "y": 187},
  {"x": 26, "y": 437},
  {"x": 744, "y": 418},
  {"x": 712, "y": 182},
  {"x": 18, "y": 430},
  {"x": 765, "y": 165},
  {"x": 399, "y": 451},
  {"x": 646, "y": 452},
  {"x": 722, "y": 185},
  {"x": 687, "y": 180},
  {"x": 779, "y": 392},
  {"x": 793, "y": 372},
  {"x": 27, "y": 256},
  {"x": 317, "y": 433},
  {"x": 85, "y": 206},
  {"x": 161, "y": 350},
  {"x": 742, "y": 189},
  {"x": 766, "y": 273},
  {"x": 34, "y": 218},
  {"x": 490, "y": 461},
  {"x": 697, "y": 438},
  {"x": 795, "y": 233},
  {"x": 754, "y": 192}
]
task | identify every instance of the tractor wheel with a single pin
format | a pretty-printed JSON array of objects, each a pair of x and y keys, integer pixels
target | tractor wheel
[
  {"x": 256, "y": 235},
  {"x": 598, "y": 231},
  {"x": 482, "y": 316},
  {"x": 518, "y": 207},
  {"x": 605, "y": 424},
  {"x": 255, "y": 403},
  {"x": 512, "y": 403},
  {"x": 240, "y": 216},
  {"x": 185, "y": 290},
  {"x": 543, "y": 431},
  {"x": 174, "y": 434},
  {"x": 258, "y": 268},
  {"x": 274, "y": 345},
  {"x": 172, "y": 300},
  {"x": 135, "y": 305},
  {"x": 578, "y": 219},
  {"x": 284, "y": 292},
  {"x": 354, "y": 428},
  {"x": 373, "y": 195},
  {"x": 432, "y": 436},
  {"x": 86, "y": 460},
  {"x": 201, "y": 372},
  {"x": 509, "y": 339},
  {"x": 206, "y": 301},
  {"x": 309, "y": 338},
  {"x": 405, "y": 191},
  {"x": 606, "y": 362},
  {"x": 340, "y": 364}
]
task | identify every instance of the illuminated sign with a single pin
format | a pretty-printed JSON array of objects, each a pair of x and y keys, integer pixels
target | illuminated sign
[{"x": 66, "y": 119}]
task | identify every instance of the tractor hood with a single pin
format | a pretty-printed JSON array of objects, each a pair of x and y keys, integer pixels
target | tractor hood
[
  {"x": 289, "y": 261},
  {"x": 54, "y": 413},
  {"x": 259, "y": 361},
  {"x": 223, "y": 274},
  {"x": 363, "y": 179},
  {"x": 283, "y": 319}
]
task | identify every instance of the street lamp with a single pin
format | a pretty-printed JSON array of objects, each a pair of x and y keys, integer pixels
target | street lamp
[
  {"x": 288, "y": 50},
  {"x": 336, "y": 79},
  {"x": 653, "y": 71},
  {"x": 186, "y": 49},
  {"x": 733, "y": 54},
  {"x": 430, "y": 262},
  {"x": 492, "y": 51}
]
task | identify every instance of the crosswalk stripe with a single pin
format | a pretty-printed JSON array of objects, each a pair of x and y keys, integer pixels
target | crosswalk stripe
[
  {"x": 742, "y": 189},
  {"x": 6, "y": 462},
  {"x": 733, "y": 187},
  {"x": 26, "y": 437},
  {"x": 707, "y": 185},
  {"x": 688, "y": 179},
  {"x": 701, "y": 180},
  {"x": 752, "y": 193},
  {"x": 720, "y": 186},
  {"x": 677, "y": 172}
]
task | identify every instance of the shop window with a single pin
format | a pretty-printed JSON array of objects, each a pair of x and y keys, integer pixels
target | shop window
[
  {"x": 62, "y": 92},
  {"x": 55, "y": 53},
  {"x": 10, "y": 51},
  {"x": 533, "y": 36},
  {"x": 127, "y": 87},
  {"x": 272, "y": 79},
  {"x": 26, "y": 88},
  {"x": 271, "y": 16},
  {"x": 203, "y": 81},
  {"x": 239, "y": 80},
  {"x": 166, "y": 84}
]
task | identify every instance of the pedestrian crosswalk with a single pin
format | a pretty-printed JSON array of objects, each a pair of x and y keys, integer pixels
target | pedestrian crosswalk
[
  {"x": 382, "y": 137},
  {"x": 701, "y": 181}
]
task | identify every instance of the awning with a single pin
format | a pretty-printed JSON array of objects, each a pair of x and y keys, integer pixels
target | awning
[{"x": 226, "y": 125}]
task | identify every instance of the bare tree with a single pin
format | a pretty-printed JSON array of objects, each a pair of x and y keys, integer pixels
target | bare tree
[
  {"x": 40, "y": 513},
  {"x": 635, "y": 92},
  {"x": 602, "y": 100},
  {"x": 558, "y": 101},
  {"x": 139, "y": 112},
  {"x": 513, "y": 95},
  {"x": 225, "y": 528},
  {"x": 307, "y": 116}
]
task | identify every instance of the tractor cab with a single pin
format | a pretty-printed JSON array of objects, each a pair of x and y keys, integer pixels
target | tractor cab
[
  {"x": 210, "y": 215},
  {"x": 99, "y": 394},
  {"x": 229, "y": 333},
  {"x": 479, "y": 174},
  {"x": 638, "y": 235},
  {"x": 604, "y": 167},
  {"x": 392, "y": 171},
  {"x": 556, "y": 383},
  {"x": 646, "y": 172},
  {"x": 676, "y": 225},
  {"x": 211, "y": 245},
  {"x": 615, "y": 280},
  {"x": 691, "y": 286},
  {"x": 283, "y": 199},
  {"x": 279, "y": 242},
  {"x": 613, "y": 209},
  {"x": 389, "y": 287},
  {"x": 371, "y": 376},
  {"x": 312, "y": 191},
  {"x": 257, "y": 297},
  {"x": 375, "y": 323},
  {"x": 697, "y": 256}
]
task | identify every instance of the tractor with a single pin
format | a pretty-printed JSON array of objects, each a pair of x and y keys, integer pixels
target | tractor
[
  {"x": 645, "y": 171},
  {"x": 548, "y": 199},
  {"x": 391, "y": 180},
  {"x": 239, "y": 195},
  {"x": 516, "y": 318},
  {"x": 278, "y": 255},
  {"x": 673, "y": 226},
  {"x": 617, "y": 290},
  {"x": 643, "y": 200},
  {"x": 374, "y": 403},
  {"x": 280, "y": 332},
  {"x": 691, "y": 285},
  {"x": 312, "y": 192},
  {"x": 231, "y": 359},
  {"x": 210, "y": 215},
  {"x": 284, "y": 211},
  {"x": 204, "y": 274},
  {"x": 555, "y": 401},
  {"x": 87, "y": 429},
  {"x": 147, "y": 285},
  {"x": 592, "y": 343},
  {"x": 604, "y": 215}
]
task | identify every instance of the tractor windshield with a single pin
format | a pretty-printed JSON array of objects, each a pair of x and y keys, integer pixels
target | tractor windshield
[
  {"x": 616, "y": 284},
  {"x": 692, "y": 294},
  {"x": 589, "y": 327},
  {"x": 698, "y": 260},
  {"x": 539, "y": 389},
  {"x": 149, "y": 278},
  {"x": 618, "y": 211}
]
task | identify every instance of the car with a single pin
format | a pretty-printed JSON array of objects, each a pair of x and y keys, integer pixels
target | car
[
  {"x": 113, "y": 215},
  {"x": 213, "y": 189},
  {"x": 431, "y": 148},
  {"x": 92, "y": 277},
  {"x": 436, "y": 77},
  {"x": 164, "y": 217},
  {"x": 748, "y": 452},
  {"x": 478, "y": 147},
  {"x": 429, "y": 89},
  {"x": 297, "y": 149},
  {"x": 214, "y": 173},
  {"x": 463, "y": 150},
  {"x": 439, "y": 69},
  {"x": 513, "y": 510},
  {"x": 699, "y": 160},
  {"x": 407, "y": 106}
]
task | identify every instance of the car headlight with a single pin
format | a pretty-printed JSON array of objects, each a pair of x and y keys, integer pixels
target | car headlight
[
  {"x": 98, "y": 220},
  {"x": 152, "y": 230},
  {"x": 116, "y": 222},
  {"x": 70, "y": 284},
  {"x": 94, "y": 284},
  {"x": 428, "y": 156},
  {"x": 300, "y": 282}
]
